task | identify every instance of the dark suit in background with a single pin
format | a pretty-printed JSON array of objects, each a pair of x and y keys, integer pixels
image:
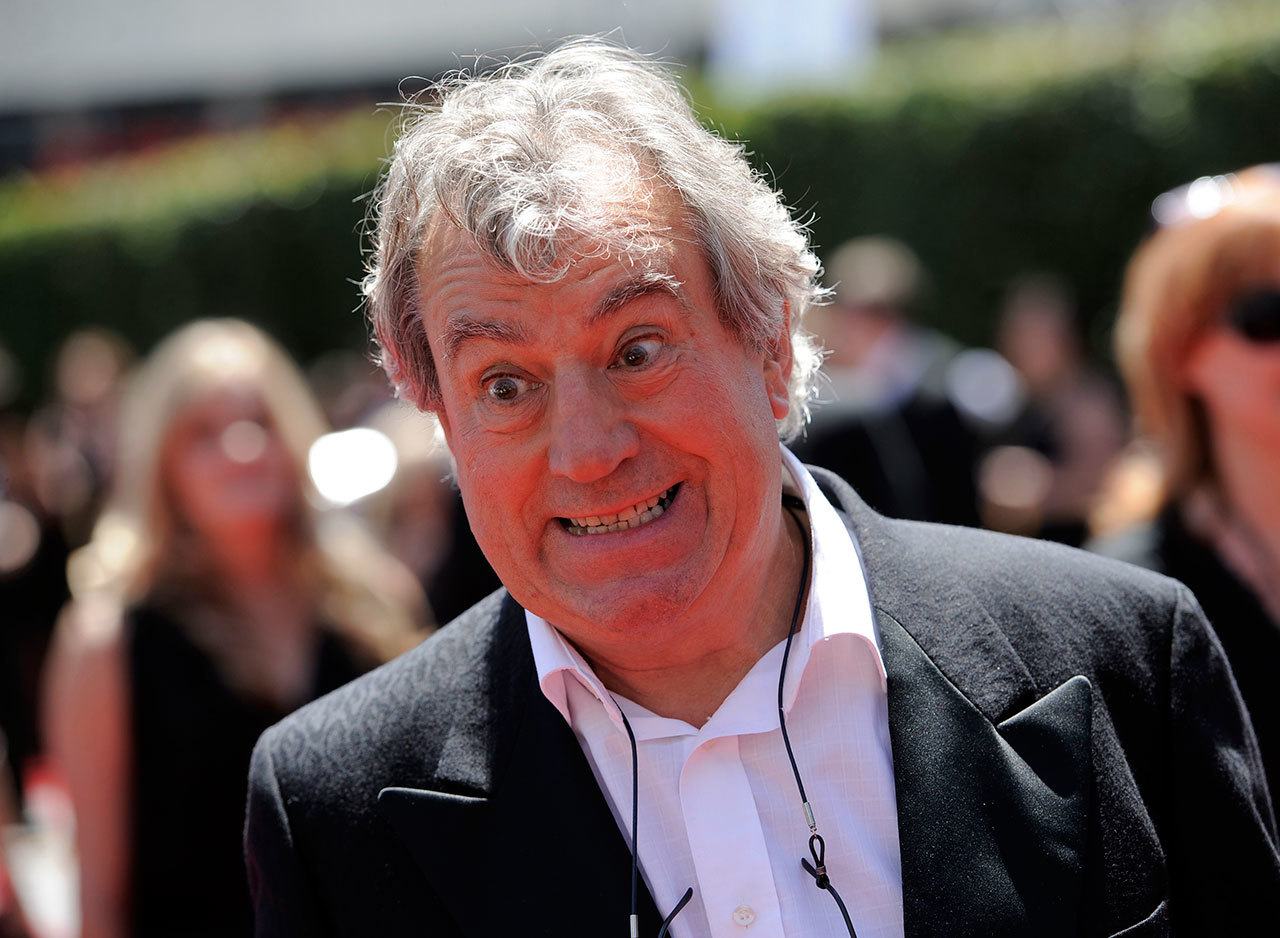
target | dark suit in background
[
  {"x": 1070, "y": 754},
  {"x": 915, "y": 460}
]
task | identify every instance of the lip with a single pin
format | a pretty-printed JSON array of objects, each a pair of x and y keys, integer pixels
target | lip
[
  {"x": 598, "y": 512},
  {"x": 657, "y": 543}
]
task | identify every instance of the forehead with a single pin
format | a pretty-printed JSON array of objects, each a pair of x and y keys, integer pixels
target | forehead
[
  {"x": 647, "y": 231},
  {"x": 223, "y": 400}
]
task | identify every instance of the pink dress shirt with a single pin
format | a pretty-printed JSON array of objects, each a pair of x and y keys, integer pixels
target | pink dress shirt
[{"x": 719, "y": 810}]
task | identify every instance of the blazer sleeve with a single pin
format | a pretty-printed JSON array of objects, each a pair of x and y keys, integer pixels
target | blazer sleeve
[
  {"x": 1223, "y": 861},
  {"x": 284, "y": 902}
]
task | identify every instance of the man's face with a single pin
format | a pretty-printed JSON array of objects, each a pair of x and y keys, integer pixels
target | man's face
[{"x": 615, "y": 443}]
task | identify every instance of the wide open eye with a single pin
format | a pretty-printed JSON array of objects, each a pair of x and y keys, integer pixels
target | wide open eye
[
  {"x": 639, "y": 353},
  {"x": 507, "y": 388}
]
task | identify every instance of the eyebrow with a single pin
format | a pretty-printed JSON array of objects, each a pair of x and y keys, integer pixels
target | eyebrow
[
  {"x": 459, "y": 329},
  {"x": 648, "y": 283},
  {"x": 462, "y": 328}
]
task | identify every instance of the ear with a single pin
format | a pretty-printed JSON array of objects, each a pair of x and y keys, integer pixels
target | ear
[{"x": 778, "y": 362}]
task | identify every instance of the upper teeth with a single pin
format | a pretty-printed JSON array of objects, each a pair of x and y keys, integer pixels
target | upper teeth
[{"x": 629, "y": 517}]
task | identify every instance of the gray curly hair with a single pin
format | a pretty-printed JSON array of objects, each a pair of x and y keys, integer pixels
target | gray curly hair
[{"x": 519, "y": 159}]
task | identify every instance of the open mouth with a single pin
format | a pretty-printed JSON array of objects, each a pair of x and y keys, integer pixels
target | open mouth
[{"x": 635, "y": 516}]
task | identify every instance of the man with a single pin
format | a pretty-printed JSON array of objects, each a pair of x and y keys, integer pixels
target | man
[
  {"x": 894, "y": 429},
  {"x": 603, "y": 306}
]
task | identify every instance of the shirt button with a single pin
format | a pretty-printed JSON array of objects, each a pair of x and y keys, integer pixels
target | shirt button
[{"x": 744, "y": 915}]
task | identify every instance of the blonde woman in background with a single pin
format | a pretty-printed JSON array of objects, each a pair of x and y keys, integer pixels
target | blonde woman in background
[
  {"x": 213, "y": 599},
  {"x": 1198, "y": 341}
]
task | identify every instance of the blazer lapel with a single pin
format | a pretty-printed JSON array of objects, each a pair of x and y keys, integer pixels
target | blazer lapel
[
  {"x": 991, "y": 819},
  {"x": 535, "y": 850},
  {"x": 993, "y": 776}
]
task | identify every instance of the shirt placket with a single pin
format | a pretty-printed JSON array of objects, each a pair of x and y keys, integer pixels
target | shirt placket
[{"x": 727, "y": 843}]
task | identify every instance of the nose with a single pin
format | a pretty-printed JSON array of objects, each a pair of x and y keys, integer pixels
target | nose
[{"x": 590, "y": 433}]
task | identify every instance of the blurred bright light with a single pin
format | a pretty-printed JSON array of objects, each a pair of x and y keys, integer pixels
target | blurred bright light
[
  {"x": 1205, "y": 196},
  {"x": 348, "y": 465},
  {"x": 985, "y": 387}
]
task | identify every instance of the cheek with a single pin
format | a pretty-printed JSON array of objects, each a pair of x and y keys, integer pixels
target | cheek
[
  {"x": 275, "y": 460},
  {"x": 282, "y": 477},
  {"x": 722, "y": 415},
  {"x": 1264, "y": 397},
  {"x": 1231, "y": 378},
  {"x": 496, "y": 478},
  {"x": 727, "y": 392},
  {"x": 741, "y": 402},
  {"x": 192, "y": 485}
]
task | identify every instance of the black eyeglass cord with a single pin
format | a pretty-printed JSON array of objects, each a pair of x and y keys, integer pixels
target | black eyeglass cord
[
  {"x": 635, "y": 854},
  {"x": 817, "y": 846}
]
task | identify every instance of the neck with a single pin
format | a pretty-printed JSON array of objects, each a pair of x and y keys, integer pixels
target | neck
[
  {"x": 692, "y": 690},
  {"x": 1248, "y": 484},
  {"x": 252, "y": 561}
]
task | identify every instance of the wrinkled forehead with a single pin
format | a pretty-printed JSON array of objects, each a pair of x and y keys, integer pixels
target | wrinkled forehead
[
  {"x": 450, "y": 252},
  {"x": 624, "y": 213}
]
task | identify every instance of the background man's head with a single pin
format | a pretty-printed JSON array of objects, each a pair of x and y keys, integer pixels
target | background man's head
[
  {"x": 875, "y": 276},
  {"x": 877, "y": 282}
]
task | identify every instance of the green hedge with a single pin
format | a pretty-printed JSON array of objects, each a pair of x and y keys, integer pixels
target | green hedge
[
  {"x": 984, "y": 178},
  {"x": 288, "y": 269},
  {"x": 985, "y": 186},
  {"x": 260, "y": 225}
]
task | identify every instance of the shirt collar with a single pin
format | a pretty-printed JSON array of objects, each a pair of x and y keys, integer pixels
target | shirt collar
[
  {"x": 557, "y": 661},
  {"x": 838, "y": 609},
  {"x": 839, "y": 603}
]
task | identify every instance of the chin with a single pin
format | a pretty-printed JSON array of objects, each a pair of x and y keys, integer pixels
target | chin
[{"x": 634, "y": 607}]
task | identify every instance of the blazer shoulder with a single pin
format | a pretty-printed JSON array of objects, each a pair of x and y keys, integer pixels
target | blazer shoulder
[
  {"x": 395, "y": 717},
  {"x": 1045, "y": 568},
  {"x": 1059, "y": 608},
  {"x": 1038, "y": 591}
]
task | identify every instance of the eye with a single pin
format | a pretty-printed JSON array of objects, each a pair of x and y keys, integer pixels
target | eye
[
  {"x": 639, "y": 353},
  {"x": 506, "y": 389}
]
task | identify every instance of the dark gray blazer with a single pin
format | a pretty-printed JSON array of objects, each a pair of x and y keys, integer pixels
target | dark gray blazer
[{"x": 1070, "y": 753}]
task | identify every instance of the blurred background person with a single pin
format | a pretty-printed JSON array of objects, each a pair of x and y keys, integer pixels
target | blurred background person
[
  {"x": 32, "y": 590},
  {"x": 54, "y": 467},
  {"x": 420, "y": 518},
  {"x": 1044, "y": 477},
  {"x": 349, "y": 386},
  {"x": 891, "y": 427},
  {"x": 212, "y": 599},
  {"x": 1198, "y": 342},
  {"x": 71, "y": 439}
]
